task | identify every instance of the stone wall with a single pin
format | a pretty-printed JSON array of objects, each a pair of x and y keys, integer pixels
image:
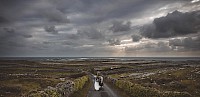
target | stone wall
[{"x": 63, "y": 89}]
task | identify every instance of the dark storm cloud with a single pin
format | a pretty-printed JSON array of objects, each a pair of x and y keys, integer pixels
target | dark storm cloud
[
  {"x": 149, "y": 47},
  {"x": 84, "y": 36},
  {"x": 13, "y": 40},
  {"x": 136, "y": 37},
  {"x": 8, "y": 32},
  {"x": 71, "y": 43},
  {"x": 90, "y": 33},
  {"x": 13, "y": 10},
  {"x": 12, "y": 37},
  {"x": 174, "y": 24},
  {"x": 25, "y": 10},
  {"x": 51, "y": 29},
  {"x": 175, "y": 42},
  {"x": 54, "y": 16},
  {"x": 3, "y": 20},
  {"x": 185, "y": 44},
  {"x": 119, "y": 26},
  {"x": 102, "y": 10},
  {"x": 114, "y": 42},
  {"x": 27, "y": 36},
  {"x": 78, "y": 27},
  {"x": 63, "y": 43}
]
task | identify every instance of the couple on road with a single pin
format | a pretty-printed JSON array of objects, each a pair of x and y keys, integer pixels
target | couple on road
[{"x": 98, "y": 82}]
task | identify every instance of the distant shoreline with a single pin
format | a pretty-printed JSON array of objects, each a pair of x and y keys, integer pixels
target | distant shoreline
[{"x": 103, "y": 58}]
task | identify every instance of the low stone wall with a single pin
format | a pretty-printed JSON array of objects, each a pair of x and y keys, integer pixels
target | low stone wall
[
  {"x": 63, "y": 89},
  {"x": 112, "y": 80},
  {"x": 136, "y": 90}
]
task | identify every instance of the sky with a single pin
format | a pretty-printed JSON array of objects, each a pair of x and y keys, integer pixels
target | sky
[{"x": 100, "y": 28}]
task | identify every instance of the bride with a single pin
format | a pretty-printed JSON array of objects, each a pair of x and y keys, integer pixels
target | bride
[{"x": 98, "y": 83}]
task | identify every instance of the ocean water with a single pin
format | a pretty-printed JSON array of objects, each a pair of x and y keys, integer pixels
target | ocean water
[{"x": 102, "y": 58}]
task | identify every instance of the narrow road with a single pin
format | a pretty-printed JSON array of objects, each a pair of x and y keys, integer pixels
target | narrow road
[{"x": 105, "y": 92}]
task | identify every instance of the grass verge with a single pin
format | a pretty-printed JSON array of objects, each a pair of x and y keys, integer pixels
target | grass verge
[
  {"x": 84, "y": 91},
  {"x": 119, "y": 91}
]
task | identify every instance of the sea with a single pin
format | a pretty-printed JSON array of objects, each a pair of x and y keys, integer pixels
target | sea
[{"x": 103, "y": 58}]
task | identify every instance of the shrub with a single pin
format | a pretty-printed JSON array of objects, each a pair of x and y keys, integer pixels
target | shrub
[
  {"x": 79, "y": 82},
  {"x": 136, "y": 90},
  {"x": 62, "y": 89}
]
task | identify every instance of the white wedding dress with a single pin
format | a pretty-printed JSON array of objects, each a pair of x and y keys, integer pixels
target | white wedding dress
[{"x": 96, "y": 85}]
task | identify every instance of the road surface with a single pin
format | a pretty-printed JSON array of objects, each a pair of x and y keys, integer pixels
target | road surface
[{"x": 104, "y": 92}]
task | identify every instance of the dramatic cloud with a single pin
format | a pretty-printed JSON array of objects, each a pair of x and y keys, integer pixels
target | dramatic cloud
[
  {"x": 12, "y": 40},
  {"x": 30, "y": 11},
  {"x": 136, "y": 37},
  {"x": 119, "y": 26},
  {"x": 185, "y": 44},
  {"x": 51, "y": 29},
  {"x": 56, "y": 16},
  {"x": 174, "y": 24},
  {"x": 99, "y": 27},
  {"x": 90, "y": 33},
  {"x": 150, "y": 47},
  {"x": 11, "y": 32},
  {"x": 114, "y": 42}
]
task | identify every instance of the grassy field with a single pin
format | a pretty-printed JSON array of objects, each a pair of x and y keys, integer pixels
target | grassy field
[
  {"x": 19, "y": 77},
  {"x": 168, "y": 77}
]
